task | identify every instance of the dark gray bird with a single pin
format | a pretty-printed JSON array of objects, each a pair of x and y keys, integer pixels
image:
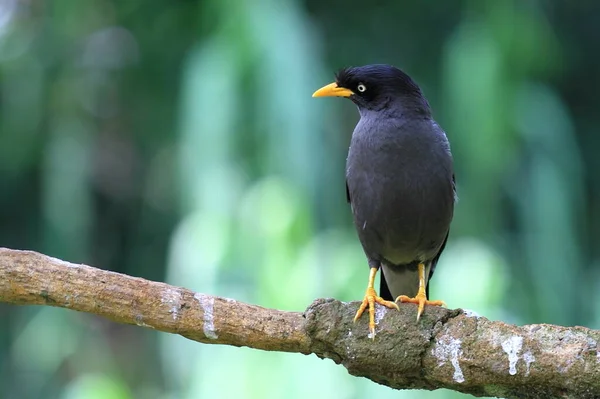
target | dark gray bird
[{"x": 399, "y": 183}]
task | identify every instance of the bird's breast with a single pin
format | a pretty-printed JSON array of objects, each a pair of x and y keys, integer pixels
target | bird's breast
[{"x": 401, "y": 193}]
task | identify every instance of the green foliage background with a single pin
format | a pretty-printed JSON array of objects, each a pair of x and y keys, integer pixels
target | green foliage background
[{"x": 177, "y": 140}]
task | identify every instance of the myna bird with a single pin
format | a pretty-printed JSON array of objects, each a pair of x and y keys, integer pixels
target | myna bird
[{"x": 399, "y": 183}]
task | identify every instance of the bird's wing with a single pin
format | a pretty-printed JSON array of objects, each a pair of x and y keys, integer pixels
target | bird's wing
[
  {"x": 347, "y": 192},
  {"x": 384, "y": 290},
  {"x": 437, "y": 256},
  {"x": 434, "y": 263},
  {"x": 454, "y": 188}
]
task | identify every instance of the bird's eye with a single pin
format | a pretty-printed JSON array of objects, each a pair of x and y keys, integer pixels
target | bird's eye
[{"x": 361, "y": 88}]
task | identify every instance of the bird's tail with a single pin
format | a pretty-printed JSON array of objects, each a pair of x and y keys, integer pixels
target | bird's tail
[{"x": 404, "y": 280}]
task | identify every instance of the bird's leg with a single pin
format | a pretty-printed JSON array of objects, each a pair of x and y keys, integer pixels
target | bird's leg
[
  {"x": 421, "y": 298},
  {"x": 369, "y": 300}
]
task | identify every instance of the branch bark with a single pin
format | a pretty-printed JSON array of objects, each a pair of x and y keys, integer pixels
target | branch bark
[{"x": 450, "y": 349}]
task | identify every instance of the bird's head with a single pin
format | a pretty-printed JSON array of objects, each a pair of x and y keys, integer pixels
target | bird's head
[{"x": 376, "y": 87}]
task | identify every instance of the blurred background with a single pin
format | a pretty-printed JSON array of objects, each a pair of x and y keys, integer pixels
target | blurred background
[{"x": 177, "y": 140}]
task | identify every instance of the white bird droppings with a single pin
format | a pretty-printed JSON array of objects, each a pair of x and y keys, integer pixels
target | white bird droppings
[
  {"x": 63, "y": 263},
  {"x": 172, "y": 298},
  {"x": 207, "y": 303},
  {"x": 380, "y": 311},
  {"x": 528, "y": 358},
  {"x": 471, "y": 313},
  {"x": 139, "y": 320},
  {"x": 512, "y": 347},
  {"x": 448, "y": 348}
]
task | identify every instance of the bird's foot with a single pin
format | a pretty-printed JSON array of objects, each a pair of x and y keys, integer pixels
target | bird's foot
[
  {"x": 421, "y": 300},
  {"x": 369, "y": 300}
]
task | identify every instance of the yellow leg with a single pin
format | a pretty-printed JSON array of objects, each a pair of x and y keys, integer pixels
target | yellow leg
[
  {"x": 370, "y": 299},
  {"x": 421, "y": 298}
]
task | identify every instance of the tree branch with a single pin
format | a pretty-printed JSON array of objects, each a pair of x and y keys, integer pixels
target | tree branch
[{"x": 447, "y": 349}]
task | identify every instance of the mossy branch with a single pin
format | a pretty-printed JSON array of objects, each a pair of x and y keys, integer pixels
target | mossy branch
[{"x": 446, "y": 349}]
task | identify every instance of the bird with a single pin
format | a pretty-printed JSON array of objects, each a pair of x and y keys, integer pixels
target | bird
[{"x": 400, "y": 184}]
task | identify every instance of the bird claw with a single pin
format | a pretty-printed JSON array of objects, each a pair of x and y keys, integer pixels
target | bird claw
[
  {"x": 369, "y": 300},
  {"x": 420, "y": 300}
]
